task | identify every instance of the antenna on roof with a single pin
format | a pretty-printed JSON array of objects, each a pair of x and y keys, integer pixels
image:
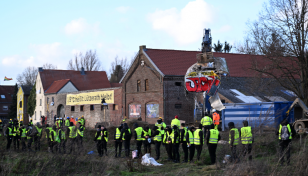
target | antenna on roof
[{"x": 207, "y": 41}]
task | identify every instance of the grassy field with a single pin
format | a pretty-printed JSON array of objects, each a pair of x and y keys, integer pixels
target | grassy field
[{"x": 265, "y": 161}]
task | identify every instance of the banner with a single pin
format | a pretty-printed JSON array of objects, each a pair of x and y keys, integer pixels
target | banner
[
  {"x": 135, "y": 110},
  {"x": 152, "y": 110},
  {"x": 90, "y": 98}
]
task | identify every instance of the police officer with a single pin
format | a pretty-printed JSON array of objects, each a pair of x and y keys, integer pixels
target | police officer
[
  {"x": 247, "y": 139},
  {"x": 175, "y": 136},
  {"x": 29, "y": 137},
  {"x": 147, "y": 135},
  {"x": 176, "y": 122},
  {"x": 183, "y": 133},
  {"x": 79, "y": 138},
  {"x": 157, "y": 137},
  {"x": 98, "y": 140},
  {"x": 126, "y": 137},
  {"x": 168, "y": 142},
  {"x": 16, "y": 136},
  {"x": 198, "y": 141},
  {"x": 37, "y": 138},
  {"x": 139, "y": 136},
  {"x": 72, "y": 133},
  {"x": 105, "y": 136},
  {"x": 62, "y": 136},
  {"x": 190, "y": 143},
  {"x": 206, "y": 122},
  {"x": 212, "y": 139},
  {"x": 9, "y": 135},
  {"x": 161, "y": 125},
  {"x": 23, "y": 136},
  {"x": 118, "y": 140},
  {"x": 233, "y": 140}
]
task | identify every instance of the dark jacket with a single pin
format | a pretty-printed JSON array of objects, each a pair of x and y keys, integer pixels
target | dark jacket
[
  {"x": 182, "y": 132},
  {"x": 285, "y": 123},
  {"x": 232, "y": 133},
  {"x": 201, "y": 137},
  {"x": 125, "y": 132}
]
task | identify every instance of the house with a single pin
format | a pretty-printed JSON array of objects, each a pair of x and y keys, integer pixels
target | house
[
  {"x": 22, "y": 100},
  {"x": 77, "y": 93},
  {"x": 153, "y": 86},
  {"x": 6, "y": 94}
]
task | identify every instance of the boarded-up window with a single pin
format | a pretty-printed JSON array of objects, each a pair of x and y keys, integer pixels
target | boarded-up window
[
  {"x": 146, "y": 85},
  {"x": 138, "y": 85}
]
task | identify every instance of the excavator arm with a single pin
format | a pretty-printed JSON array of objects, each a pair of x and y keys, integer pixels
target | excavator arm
[{"x": 299, "y": 102}]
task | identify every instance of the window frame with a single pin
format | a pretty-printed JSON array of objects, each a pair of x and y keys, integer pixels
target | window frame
[{"x": 138, "y": 85}]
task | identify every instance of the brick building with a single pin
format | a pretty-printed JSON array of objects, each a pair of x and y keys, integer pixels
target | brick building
[
  {"x": 6, "y": 94},
  {"x": 56, "y": 88},
  {"x": 154, "y": 84}
]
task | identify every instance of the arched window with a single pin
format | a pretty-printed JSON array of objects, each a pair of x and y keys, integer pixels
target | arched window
[
  {"x": 138, "y": 85},
  {"x": 146, "y": 84}
]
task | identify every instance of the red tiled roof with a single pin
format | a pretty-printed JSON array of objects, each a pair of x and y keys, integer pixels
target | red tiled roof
[
  {"x": 176, "y": 62},
  {"x": 116, "y": 84},
  {"x": 57, "y": 85},
  {"x": 91, "y": 79},
  {"x": 8, "y": 91}
]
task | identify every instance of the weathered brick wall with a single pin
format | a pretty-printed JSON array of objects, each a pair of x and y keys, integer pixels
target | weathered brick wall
[
  {"x": 92, "y": 117},
  {"x": 153, "y": 95}
]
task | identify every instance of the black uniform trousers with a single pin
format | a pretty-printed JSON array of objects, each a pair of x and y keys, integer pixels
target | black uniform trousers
[
  {"x": 118, "y": 143},
  {"x": 23, "y": 143},
  {"x": 29, "y": 141},
  {"x": 99, "y": 147},
  {"x": 191, "y": 152},
  {"x": 176, "y": 153},
  {"x": 16, "y": 142},
  {"x": 139, "y": 145},
  {"x": 233, "y": 153},
  {"x": 9, "y": 141},
  {"x": 284, "y": 150},
  {"x": 212, "y": 151},
  {"x": 127, "y": 147},
  {"x": 37, "y": 143},
  {"x": 199, "y": 150},
  {"x": 147, "y": 146},
  {"x": 157, "y": 149},
  {"x": 247, "y": 150},
  {"x": 169, "y": 150},
  {"x": 185, "y": 150},
  {"x": 104, "y": 147}
]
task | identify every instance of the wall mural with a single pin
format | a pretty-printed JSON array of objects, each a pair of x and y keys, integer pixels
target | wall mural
[
  {"x": 152, "y": 110},
  {"x": 135, "y": 110}
]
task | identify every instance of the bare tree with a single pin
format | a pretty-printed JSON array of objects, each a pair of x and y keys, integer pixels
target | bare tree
[
  {"x": 27, "y": 77},
  {"x": 49, "y": 66},
  {"x": 118, "y": 68},
  {"x": 280, "y": 34},
  {"x": 89, "y": 61}
]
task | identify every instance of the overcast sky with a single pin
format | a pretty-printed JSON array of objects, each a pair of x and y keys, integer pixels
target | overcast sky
[{"x": 36, "y": 32}]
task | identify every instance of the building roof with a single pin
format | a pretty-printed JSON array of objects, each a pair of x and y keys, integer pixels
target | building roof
[
  {"x": 8, "y": 92},
  {"x": 176, "y": 62},
  {"x": 26, "y": 89},
  {"x": 57, "y": 85},
  {"x": 90, "y": 80}
]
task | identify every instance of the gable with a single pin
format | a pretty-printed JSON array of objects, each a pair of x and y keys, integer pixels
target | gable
[{"x": 68, "y": 87}]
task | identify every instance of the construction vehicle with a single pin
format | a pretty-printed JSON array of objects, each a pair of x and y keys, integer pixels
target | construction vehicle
[{"x": 300, "y": 114}]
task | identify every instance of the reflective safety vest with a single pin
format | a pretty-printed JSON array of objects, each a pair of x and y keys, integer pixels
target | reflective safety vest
[
  {"x": 147, "y": 133},
  {"x": 197, "y": 137},
  {"x": 80, "y": 132},
  {"x": 161, "y": 126},
  {"x": 216, "y": 118},
  {"x": 191, "y": 137},
  {"x": 129, "y": 133},
  {"x": 289, "y": 129},
  {"x": 39, "y": 130},
  {"x": 67, "y": 122},
  {"x": 246, "y": 135},
  {"x": 48, "y": 128},
  {"x": 172, "y": 138},
  {"x": 15, "y": 131},
  {"x": 236, "y": 136},
  {"x": 166, "y": 136},
  {"x": 99, "y": 136},
  {"x": 118, "y": 133},
  {"x": 185, "y": 132},
  {"x": 139, "y": 133},
  {"x": 206, "y": 120},
  {"x": 82, "y": 121},
  {"x": 10, "y": 131},
  {"x": 176, "y": 122},
  {"x": 107, "y": 135},
  {"x": 72, "y": 133},
  {"x": 214, "y": 136},
  {"x": 23, "y": 132},
  {"x": 158, "y": 137},
  {"x": 62, "y": 137},
  {"x": 54, "y": 135}
]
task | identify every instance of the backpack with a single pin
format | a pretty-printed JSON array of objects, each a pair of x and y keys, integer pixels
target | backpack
[{"x": 284, "y": 133}]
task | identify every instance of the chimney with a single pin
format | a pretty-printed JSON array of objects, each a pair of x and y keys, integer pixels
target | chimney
[
  {"x": 142, "y": 47},
  {"x": 40, "y": 69},
  {"x": 82, "y": 71}
]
